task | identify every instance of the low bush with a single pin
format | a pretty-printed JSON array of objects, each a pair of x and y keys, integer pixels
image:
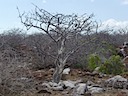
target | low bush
[
  {"x": 93, "y": 61},
  {"x": 112, "y": 66}
]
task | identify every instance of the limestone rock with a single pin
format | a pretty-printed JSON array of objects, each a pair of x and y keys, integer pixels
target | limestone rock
[
  {"x": 96, "y": 70},
  {"x": 66, "y": 71},
  {"x": 53, "y": 86},
  {"x": 95, "y": 90},
  {"x": 117, "y": 82},
  {"x": 80, "y": 89},
  {"x": 69, "y": 84}
]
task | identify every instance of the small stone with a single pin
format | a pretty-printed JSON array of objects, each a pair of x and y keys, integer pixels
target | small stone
[
  {"x": 95, "y": 90},
  {"x": 66, "y": 71},
  {"x": 81, "y": 88}
]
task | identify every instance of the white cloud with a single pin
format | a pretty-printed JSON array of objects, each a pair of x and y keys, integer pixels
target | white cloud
[
  {"x": 112, "y": 23},
  {"x": 124, "y": 2}
]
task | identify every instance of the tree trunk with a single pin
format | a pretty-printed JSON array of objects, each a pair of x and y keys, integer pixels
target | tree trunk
[{"x": 58, "y": 73}]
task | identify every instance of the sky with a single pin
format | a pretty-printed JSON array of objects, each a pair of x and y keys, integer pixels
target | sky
[{"x": 110, "y": 12}]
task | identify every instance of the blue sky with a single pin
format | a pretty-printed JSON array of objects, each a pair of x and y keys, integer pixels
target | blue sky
[{"x": 113, "y": 12}]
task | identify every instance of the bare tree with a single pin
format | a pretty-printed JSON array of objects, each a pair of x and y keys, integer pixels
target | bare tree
[{"x": 61, "y": 29}]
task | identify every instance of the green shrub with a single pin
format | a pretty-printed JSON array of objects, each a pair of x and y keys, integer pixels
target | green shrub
[
  {"x": 93, "y": 61},
  {"x": 112, "y": 66}
]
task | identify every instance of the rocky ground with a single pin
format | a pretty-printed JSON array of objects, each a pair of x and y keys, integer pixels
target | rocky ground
[{"x": 76, "y": 83}]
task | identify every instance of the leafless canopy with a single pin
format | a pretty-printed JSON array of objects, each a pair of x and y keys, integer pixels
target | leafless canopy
[{"x": 56, "y": 24}]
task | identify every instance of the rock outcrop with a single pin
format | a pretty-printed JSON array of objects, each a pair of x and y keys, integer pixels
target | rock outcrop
[{"x": 117, "y": 82}]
